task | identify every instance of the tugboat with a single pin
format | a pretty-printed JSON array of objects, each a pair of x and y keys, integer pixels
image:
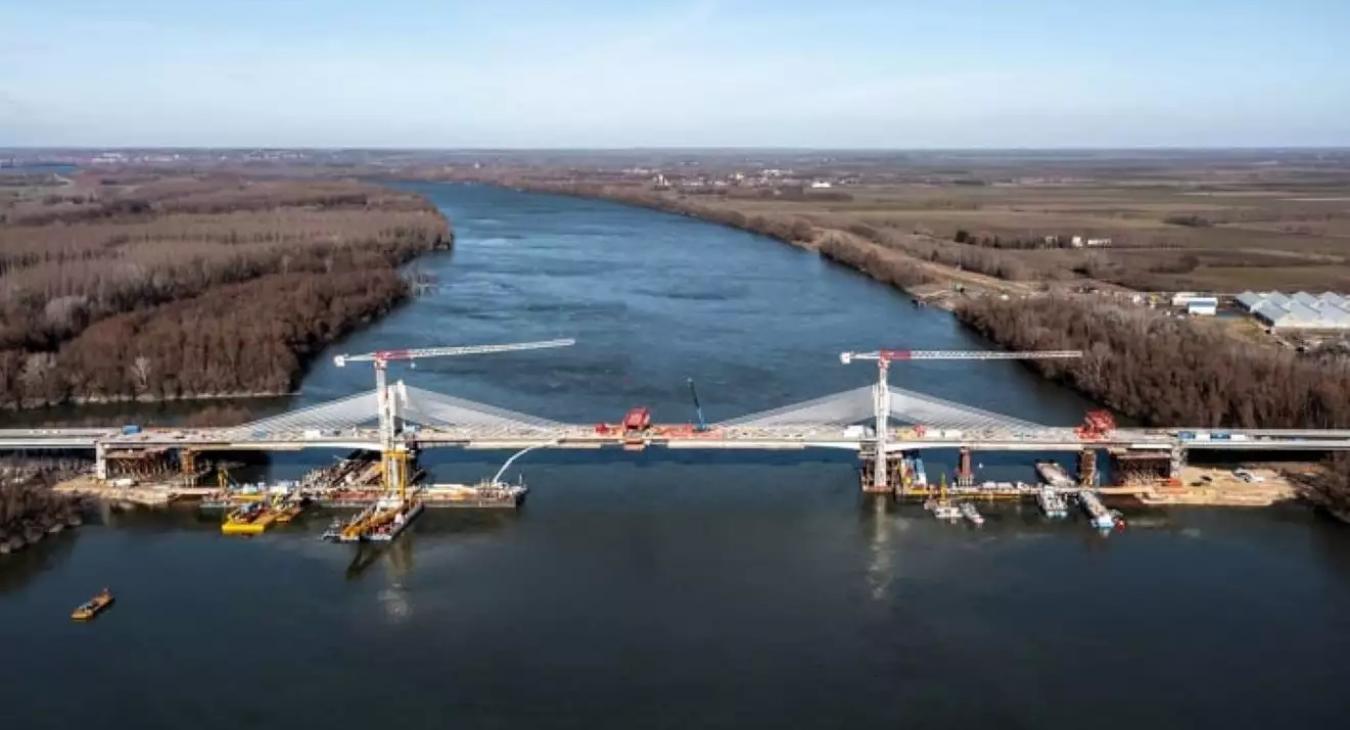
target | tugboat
[{"x": 93, "y": 607}]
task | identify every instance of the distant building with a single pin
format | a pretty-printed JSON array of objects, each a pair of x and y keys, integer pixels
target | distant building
[
  {"x": 1183, "y": 298},
  {"x": 1329, "y": 311},
  {"x": 1202, "y": 306}
]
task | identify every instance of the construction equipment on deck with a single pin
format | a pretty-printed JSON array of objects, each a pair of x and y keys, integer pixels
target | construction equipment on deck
[
  {"x": 1096, "y": 425},
  {"x": 635, "y": 425}
]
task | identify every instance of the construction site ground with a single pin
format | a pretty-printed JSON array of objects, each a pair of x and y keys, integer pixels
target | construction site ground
[{"x": 1212, "y": 486}]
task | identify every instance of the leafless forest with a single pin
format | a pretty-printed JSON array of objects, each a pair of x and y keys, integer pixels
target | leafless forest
[{"x": 148, "y": 285}]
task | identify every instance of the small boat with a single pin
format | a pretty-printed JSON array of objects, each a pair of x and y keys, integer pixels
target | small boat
[
  {"x": 93, "y": 607},
  {"x": 946, "y": 511},
  {"x": 1051, "y": 503},
  {"x": 971, "y": 514}
]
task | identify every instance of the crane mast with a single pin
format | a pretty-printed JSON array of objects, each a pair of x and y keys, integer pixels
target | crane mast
[
  {"x": 882, "y": 391},
  {"x": 394, "y": 458}
]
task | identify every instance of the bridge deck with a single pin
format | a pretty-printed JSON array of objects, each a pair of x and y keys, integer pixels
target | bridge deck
[{"x": 676, "y": 437}]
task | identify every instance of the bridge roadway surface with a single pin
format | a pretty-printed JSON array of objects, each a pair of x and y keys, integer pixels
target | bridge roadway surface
[
  {"x": 435, "y": 420},
  {"x": 674, "y": 437}
]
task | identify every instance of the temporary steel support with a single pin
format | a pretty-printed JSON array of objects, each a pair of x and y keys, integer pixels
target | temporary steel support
[{"x": 1087, "y": 467}]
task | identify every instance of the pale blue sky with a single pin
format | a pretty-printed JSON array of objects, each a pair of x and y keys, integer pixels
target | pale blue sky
[{"x": 837, "y": 73}]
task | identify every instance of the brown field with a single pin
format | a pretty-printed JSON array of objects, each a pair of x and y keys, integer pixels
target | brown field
[{"x": 1219, "y": 221}]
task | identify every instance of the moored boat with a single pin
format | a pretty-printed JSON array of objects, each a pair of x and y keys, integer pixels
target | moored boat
[
  {"x": 253, "y": 518},
  {"x": 382, "y": 521},
  {"x": 1053, "y": 474},
  {"x": 971, "y": 514},
  {"x": 1100, "y": 517},
  {"x": 1051, "y": 503}
]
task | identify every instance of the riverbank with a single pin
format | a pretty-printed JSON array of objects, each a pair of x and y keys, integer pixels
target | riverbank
[{"x": 30, "y": 510}]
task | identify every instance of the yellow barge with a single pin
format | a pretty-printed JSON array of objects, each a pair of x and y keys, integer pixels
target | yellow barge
[{"x": 251, "y": 519}]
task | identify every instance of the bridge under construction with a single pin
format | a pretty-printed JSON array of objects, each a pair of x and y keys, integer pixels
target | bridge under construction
[{"x": 878, "y": 421}]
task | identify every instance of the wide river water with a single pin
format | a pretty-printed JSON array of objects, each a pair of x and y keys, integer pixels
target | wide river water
[{"x": 688, "y": 589}]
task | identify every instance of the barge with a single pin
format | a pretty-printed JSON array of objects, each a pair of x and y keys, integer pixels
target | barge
[
  {"x": 1100, "y": 517},
  {"x": 382, "y": 521},
  {"x": 1054, "y": 475}
]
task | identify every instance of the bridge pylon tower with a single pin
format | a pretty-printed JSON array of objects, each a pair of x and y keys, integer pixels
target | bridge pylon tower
[
  {"x": 394, "y": 452},
  {"x": 880, "y": 481}
]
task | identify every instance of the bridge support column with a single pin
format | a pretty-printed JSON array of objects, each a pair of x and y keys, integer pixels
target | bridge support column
[
  {"x": 1087, "y": 467},
  {"x": 100, "y": 461},
  {"x": 965, "y": 476},
  {"x": 1177, "y": 462}
]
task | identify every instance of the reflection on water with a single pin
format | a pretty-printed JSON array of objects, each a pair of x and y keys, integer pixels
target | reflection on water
[{"x": 17, "y": 568}]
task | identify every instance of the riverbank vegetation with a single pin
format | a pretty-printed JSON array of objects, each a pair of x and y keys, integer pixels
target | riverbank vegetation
[
  {"x": 147, "y": 285},
  {"x": 1168, "y": 370}
]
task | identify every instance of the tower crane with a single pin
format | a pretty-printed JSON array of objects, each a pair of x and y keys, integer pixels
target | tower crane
[
  {"x": 394, "y": 460},
  {"x": 882, "y": 394}
]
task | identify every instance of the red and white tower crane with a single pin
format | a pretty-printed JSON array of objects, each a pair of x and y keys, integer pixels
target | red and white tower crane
[
  {"x": 882, "y": 394},
  {"x": 395, "y": 474}
]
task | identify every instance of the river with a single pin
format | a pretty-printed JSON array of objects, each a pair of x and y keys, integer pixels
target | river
[{"x": 680, "y": 590}]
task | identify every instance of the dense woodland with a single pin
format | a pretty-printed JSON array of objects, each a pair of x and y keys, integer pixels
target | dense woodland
[
  {"x": 139, "y": 285},
  {"x": 1167, "y": 370}
]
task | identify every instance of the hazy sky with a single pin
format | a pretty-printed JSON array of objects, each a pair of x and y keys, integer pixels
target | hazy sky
[{"x": 828, "y": 73}]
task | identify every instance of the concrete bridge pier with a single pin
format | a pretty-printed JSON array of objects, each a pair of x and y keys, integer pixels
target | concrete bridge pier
[
  {"x": 100, "y": 461},
  {"x": 1177, "y": 462}
]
